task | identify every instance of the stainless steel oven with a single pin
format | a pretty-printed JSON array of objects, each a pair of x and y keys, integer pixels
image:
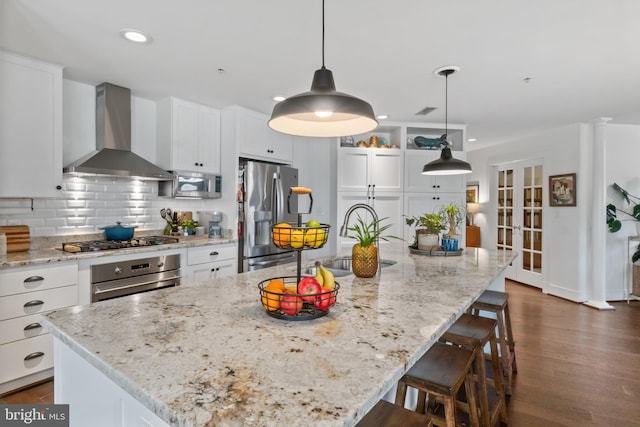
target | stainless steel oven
[{"x": 117, "y": 279}]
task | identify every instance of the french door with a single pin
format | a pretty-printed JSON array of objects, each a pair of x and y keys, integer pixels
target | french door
[{"x": 519, "y": 219}]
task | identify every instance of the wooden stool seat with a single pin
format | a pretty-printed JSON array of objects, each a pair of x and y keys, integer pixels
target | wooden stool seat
[
  {"x": 498, "y": 303},
  {"x": 474, "y": 332},
  {"x": 386, "y": 414},
  {"x": 441, "y": 372}
]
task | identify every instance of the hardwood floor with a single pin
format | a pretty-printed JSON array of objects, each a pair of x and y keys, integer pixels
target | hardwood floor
[{"x": 577, "y": 366}]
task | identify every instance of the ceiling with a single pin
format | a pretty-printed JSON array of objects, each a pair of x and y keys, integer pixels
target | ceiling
[{"x": 582, "y": 57}]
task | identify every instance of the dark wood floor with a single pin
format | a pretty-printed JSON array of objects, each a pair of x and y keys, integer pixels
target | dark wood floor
[{"x": 577, "y": 366}]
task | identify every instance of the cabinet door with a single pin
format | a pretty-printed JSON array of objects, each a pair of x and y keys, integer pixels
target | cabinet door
[
  {"x": 212, "y": 270},
  {"x": 185, "y": 135},
  {"x": 257, "y": 140},
  {"x": 353, "y": 170},
  {"x": 30, "y": 128},
  {"x": 281, "y": 146},
  {"x": 389, "y": 205},
  {"x": 208, "y": 140},
  {"x": 386, "y": 170}
]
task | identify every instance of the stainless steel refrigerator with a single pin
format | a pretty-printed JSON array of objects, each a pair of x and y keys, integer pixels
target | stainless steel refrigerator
[{"x": 262, "y": 202}]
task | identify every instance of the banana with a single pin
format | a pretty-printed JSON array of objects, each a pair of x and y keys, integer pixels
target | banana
[
  {"x": 319, "y": 276},
  {"x": 329, "y": 279}
]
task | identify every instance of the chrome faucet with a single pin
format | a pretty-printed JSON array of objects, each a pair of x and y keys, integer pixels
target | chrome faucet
[{"x": 343, "y": 229}]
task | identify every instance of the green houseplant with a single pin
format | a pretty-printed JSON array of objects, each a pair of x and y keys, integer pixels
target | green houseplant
[
  {"x": 364, "y": 254},
  {"x": 189, "y": 226},
  {"x": 632, "y": 209},
  {"x": 454, "y": 215},
  {"x": 427, "y": 223}
]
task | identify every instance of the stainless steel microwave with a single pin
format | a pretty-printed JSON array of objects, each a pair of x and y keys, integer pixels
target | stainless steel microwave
[{"x": 193, "y": 185}]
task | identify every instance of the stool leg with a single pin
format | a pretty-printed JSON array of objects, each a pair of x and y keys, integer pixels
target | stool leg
[
  {"x": 505, "y": 352},
  {"x": 495, "y": 361},
  {"x": 481, "y": 380},
  {"x": 422, "y": 397},
  {"x": 401, "y": 392},
  {"x": 507, "y": 318},
  {"x": 450, "y": 411},
  {"x": 473, "y": 400}
]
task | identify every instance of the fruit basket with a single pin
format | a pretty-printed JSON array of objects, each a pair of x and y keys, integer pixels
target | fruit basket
[
  {"x": 292, "y": 236},
  {"x": 280, "y": 298}
]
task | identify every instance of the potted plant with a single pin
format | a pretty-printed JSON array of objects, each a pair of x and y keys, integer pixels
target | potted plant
[
  {"x": 428, "y": 227},
  {"x": 454, "y": 215},
  {"x": 364, "y": 254},
  {"x": 632, "y": 210},
  {"x": 189, "y": 226}
]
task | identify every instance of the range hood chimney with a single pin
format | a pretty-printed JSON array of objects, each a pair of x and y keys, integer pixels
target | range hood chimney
[{"x": 113, "y": 141}]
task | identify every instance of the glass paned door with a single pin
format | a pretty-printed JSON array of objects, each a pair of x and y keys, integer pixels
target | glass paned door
[{"x": 519, "y": 219}]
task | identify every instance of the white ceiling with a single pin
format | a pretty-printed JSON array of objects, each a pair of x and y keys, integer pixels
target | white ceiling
[{"x": 582, "y": 56}]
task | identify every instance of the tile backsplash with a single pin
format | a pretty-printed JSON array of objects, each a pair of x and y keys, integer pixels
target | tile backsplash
[{"x": 88, "y": 203}]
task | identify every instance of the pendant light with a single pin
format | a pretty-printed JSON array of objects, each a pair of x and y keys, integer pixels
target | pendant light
[
  {"x": 446, "y": 164},
  {"x": 323, "y": 111}
]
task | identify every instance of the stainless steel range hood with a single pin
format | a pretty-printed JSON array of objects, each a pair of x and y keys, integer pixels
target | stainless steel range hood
[{"x": 113, "y": 140}]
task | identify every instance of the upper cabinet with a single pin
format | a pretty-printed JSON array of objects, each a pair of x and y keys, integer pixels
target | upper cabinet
[
  {"x": 369, "y": 169},
  {"x": 30, "y": 127},
  {"x": 249, "y": 131},
  {"x": 188, "y": 136}
]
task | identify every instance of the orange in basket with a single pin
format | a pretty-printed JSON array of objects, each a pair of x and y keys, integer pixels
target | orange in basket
[
  {"x": 282, "y": 234},
  {"x": 272, "y": 293}
]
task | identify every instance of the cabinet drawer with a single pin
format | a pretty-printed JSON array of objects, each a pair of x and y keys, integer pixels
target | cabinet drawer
[
  {"x": 37, "y": 302},
  {"x": 20, "y": 328},
  {"x": 210, "y": 253},
  {"x": 38, "y": 352},
  {"x": 17, "y": 280}
]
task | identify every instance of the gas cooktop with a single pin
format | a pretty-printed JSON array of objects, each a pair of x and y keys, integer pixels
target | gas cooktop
[{"x": 107, "y": 245}]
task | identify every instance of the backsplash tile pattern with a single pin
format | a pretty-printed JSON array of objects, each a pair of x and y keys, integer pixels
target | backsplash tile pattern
[{"x": 88, "y": 203}]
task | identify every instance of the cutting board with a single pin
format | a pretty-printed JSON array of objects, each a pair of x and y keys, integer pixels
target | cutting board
[{"x": 18, "y": 237}]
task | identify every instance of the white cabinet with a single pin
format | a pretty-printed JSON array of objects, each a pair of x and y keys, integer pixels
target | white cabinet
[
  {"x": 188, "y": 136},
  {"x": 369, "y": 170},
  {"x": 26, "y": 294},
  {"x": 211, "y": 262},
  {"x": 249, "y": 131},
  {"x": 30, "y": 127},
  {"x": 416, "y": 182}
]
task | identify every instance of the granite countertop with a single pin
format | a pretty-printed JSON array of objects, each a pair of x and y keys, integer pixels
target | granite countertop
[
  {"x": 53, "y": 253},
  {"x": 208, "y": 354}
]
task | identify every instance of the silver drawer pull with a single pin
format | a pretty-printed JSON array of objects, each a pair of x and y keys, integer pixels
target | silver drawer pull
[
  {"x": 33, "y": 303},
  {"x": 33, "y": 355},
  {"x": 214, "y": 253},
  {"x": 32, "y": 326},
  {"x": 33, "y": 279}
]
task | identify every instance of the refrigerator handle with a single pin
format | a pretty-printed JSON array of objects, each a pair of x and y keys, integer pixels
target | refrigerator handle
[{"x": 275, "y": 199}]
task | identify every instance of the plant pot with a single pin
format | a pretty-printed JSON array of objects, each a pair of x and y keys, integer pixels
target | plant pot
[
  {"x": 427, "y": 240},
  {"x": 364, "y": 260}
]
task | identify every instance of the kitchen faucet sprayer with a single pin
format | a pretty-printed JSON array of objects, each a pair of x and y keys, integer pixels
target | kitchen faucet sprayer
[{"x": 343, "y": 228}]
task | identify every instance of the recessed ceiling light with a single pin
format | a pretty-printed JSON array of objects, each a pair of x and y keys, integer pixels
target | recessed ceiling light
[
  {"x": 382, "y": 116},
  {"x": 471, "y": 140},
  {"x": 135, "y": 36},
  {"x": 279, "y": 98}
]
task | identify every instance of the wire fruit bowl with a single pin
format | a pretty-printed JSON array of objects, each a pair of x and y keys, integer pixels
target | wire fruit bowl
[
  {"x": 291, "y": 236},
  {"x": 318, "y": 307}
]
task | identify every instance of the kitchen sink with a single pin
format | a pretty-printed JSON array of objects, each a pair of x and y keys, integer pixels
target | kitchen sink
[{"x": 342, "y": 266}]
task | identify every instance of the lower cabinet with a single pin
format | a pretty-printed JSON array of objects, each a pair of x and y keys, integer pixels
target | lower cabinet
[
  {"x": 26, "y": 349},
  {"x": 210, "y": 262},
  {"x": 94, "y": 399}
]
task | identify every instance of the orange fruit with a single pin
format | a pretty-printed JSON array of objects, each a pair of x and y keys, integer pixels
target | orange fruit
[
  {"x": 272, "y": 293},
  {"x": 281, "y": 234}
]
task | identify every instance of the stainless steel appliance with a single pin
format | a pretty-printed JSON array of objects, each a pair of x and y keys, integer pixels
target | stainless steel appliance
[
  {"x": 192, "y": 185},
  {"x": 117, "y": 279},
  {"x": 262, "y": 202}
]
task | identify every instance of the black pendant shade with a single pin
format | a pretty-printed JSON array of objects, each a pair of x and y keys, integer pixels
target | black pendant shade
[
  {"x": 446, "y": 164},
  {"x": 323, "y": 111}
]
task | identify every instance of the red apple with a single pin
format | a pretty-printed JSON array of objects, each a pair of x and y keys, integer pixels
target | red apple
[
  {"x": 325, "y": 300},
  {"x": 309, "y": 288},
  {"x": 290, "y": 303}
]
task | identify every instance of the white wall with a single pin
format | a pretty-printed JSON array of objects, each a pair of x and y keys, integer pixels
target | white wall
[
  {"x": 559, "y": 152},
  {"x": 622, "y": 144}
]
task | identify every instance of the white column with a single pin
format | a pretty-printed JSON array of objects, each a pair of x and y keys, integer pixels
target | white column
[{"x": 597, "y": 297}]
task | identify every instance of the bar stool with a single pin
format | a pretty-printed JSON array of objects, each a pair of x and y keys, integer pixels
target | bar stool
[
  {"x": 386, "y": 414},
  {"x": 474, "y": 333},
  {"x": 441, "y": 372},
  {"x": 498, "y": 303}
]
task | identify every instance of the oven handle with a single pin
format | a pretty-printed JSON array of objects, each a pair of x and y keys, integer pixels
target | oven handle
[{"x": 97, "y": 292}]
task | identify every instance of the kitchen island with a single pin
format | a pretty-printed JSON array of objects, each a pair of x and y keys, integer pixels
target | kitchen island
[{"x": 208, "y": 354}]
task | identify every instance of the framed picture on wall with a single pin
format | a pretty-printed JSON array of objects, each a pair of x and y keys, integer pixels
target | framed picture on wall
[
  {"x": 562, "y": 190},
  {"x": 472, "y": 193}
]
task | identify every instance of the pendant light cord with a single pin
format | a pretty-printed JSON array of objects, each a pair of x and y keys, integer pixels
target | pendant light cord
[
  {"x": 446, "y": 104},
  {"x": 323, "y": 34}
]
